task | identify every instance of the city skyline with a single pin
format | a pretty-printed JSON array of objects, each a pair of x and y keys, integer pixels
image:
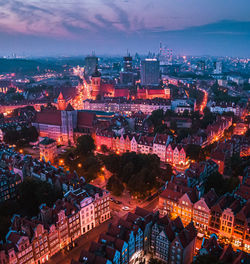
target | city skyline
[{"x": 112, "y": 27}]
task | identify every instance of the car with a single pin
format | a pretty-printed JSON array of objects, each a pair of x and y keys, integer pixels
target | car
[{"x": 125, "y": 208}]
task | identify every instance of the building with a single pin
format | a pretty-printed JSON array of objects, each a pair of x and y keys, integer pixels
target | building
[
  {"x": 48, "y": 150},
  {"x": 201, "y": 210},
  {"x": 61, "y": 102},
  {"x": 212, "y": 248},
  {"x": 90, "y": 62},
  {"x": 127, "y": 63},
  {"x": 8, "y": 185},
  {"x": 176, "y": 155},
  {"x": 218, "y": 67},
  {"x": 150, "y": 72},
  {"x": 95, "y": 84},
  {"x": 160, "y": 145}
]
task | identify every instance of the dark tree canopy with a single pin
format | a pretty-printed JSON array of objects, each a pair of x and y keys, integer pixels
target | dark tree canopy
[
  {"x": 137, "y": 171},
  {"x": 85, "y": 145}
]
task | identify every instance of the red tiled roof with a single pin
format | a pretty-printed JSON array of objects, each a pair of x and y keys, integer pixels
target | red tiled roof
[
  {"x": 85, "y": 119},
  {"x": 121, "y": 92},
  {"x": 60, "y": 97},
  {"x": 155, "y": 91},
  {"x": 49, "y": 117},
  {"x": 170, "y": 194}
]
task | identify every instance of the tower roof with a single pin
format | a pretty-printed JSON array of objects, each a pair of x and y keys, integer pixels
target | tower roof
[
  {"x": 60, "y": 97},
  {"x": 69, "y": 107}
]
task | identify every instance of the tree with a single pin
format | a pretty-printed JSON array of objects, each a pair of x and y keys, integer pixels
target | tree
[
  {"x": 221, "y": 185},
  {"x": 137, "y": 171},
  {"x": 157, "y": 118},
  {"x": 112, "y": 163},
  {"x": 115, "y": 185},
  {"x": 32, "y": 193},
  {"x": 195, "y": 152},
  {"x": 85, "y": 145}
]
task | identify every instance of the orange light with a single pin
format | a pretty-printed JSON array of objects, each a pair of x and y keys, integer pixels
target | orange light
[
  {"x": 102, "y": 168},
  {"x": 61, "y": 161},
  {"x": 79, "y": 165},
  {"x": 21, "y": 151},
  {"x": 117, "y": 152}
]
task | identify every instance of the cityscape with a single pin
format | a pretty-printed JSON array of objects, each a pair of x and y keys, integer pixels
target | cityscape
[{"x": 121, "y": 141}]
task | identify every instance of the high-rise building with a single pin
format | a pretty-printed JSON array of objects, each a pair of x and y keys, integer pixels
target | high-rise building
[
  {"x": 150, "y": 72},
  {"x": 218, "y": 67},
  {"x": 91, "y": 62},
  {"x": 201, "y": 65},
  {"x": 127, "y": 63}
]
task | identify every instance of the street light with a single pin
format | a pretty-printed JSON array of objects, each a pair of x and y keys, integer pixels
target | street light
[{"x": 79, "y": 165}]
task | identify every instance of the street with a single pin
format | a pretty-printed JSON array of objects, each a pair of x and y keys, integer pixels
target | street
[{"x": 83, "y": 242}]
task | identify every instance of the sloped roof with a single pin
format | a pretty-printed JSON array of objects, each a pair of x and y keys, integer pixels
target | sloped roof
[
  {"x": 69, "y": 107},
  {"x": 85, "y": 119},
  {"x": 49, "y": 117}
]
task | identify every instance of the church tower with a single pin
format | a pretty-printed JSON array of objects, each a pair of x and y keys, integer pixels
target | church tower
[
  {"x": 61, "y": 103},
  {"x": 96, "y": 83}
]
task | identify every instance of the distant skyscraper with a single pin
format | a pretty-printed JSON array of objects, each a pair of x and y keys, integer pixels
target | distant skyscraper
[
  {"x": 150, "y": 72},
  {"x": 218, "y": 67},
  {"x": 201, "y": 65},
  {"x": 91, "y": 62},
  {"x": 127, "y": 63}
]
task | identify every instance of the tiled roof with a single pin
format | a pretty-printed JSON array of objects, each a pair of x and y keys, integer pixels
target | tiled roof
[
  {"x": 85, "y": 119},
  {"x": 49, "y": 117}
]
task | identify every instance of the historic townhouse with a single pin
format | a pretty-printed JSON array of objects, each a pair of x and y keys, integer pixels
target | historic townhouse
[
  {"x": 201, "y": 210},
  {"x": 87, "y": 215},
  {"x": 103, "y": 137},
  {"x": 176, "y": 155},
  {"x": 145, "y": 145},
  {"x": 118, "y": 244},
  {"x": 160, "y": 146},
  {"x": 22, "y": 252},
  {"x": 169, "y": 241}
]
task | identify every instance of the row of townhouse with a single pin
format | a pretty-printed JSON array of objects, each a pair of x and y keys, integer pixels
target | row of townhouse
[
  {"x": 211, "y": 134},
  {"x": 127, "y": 106},
  {"x": 225, "y": 254},
  {"x": 140, "y": 233},
  {"x": 159, "y": 145},
  {"x": 224, "y": 107},
  {"x": 36, "y": 240},
  {"x": 227, "y": 216}
]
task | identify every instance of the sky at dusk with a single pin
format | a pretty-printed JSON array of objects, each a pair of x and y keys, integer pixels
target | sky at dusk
[{"x": 75, "y": 27}]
